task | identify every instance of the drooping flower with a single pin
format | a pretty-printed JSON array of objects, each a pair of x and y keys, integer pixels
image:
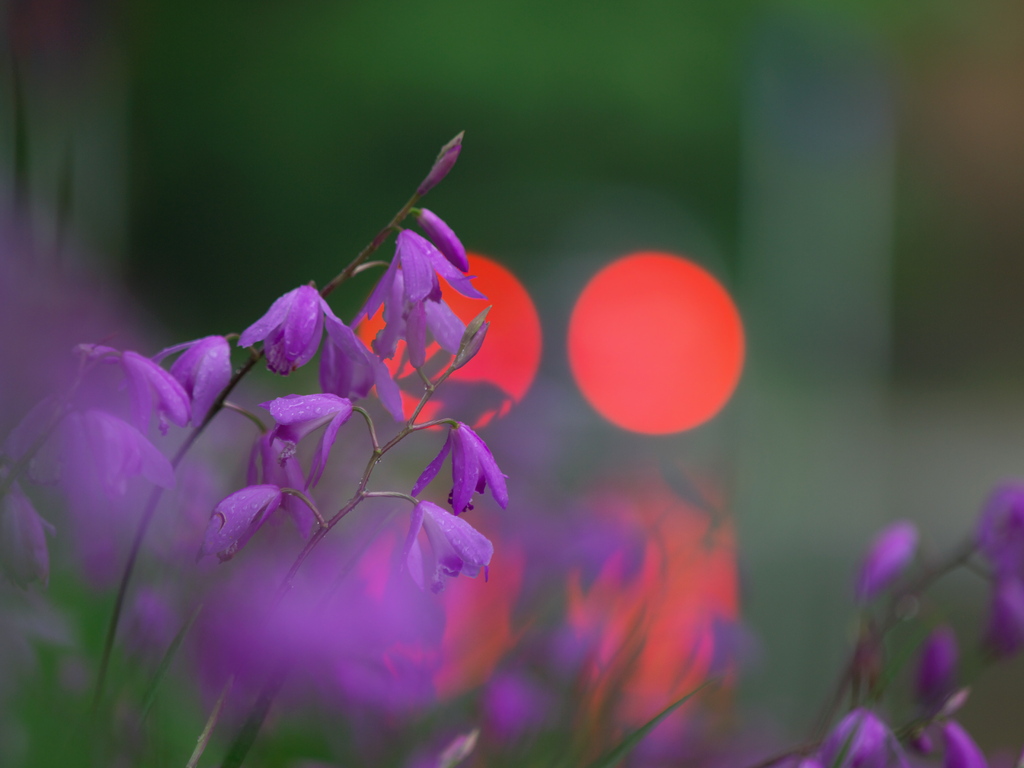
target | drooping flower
[
  {"x": 24, "y": 557},
  {"x": 961, "y": 751},
  {"x": 456, "y": 547},
  {"x": 290, "y": 330},
  {"x": 864, "y": 738},
  {"x": 299, "y": 415},
  {"x": 237, "y": 517},
  {"x": 444, "y": 238},
  {"x": 1000, "y": 532},
  {"x": 1006, "y": 621},
  {"x": 473, "y": 469},
  {"x": 204, "y": 370},
  {"x": 886, "y": 559},
  {"x": 273, "y": 462},
  {"x": 349, "y": 369},
  {"x": 442, "y": 165},
  {"x": 411, "y": 295},
  {"x": 936, "y": 671}
]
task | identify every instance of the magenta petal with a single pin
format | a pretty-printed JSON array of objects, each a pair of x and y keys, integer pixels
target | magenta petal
[
  {"x": 442, "y": 165},
  {"x": 150, "y": 385},
  {"x": 417, "y": 255},
  {"x": 31, "y": 427},
  {"x": 323, "y": 450},
  {"x": 380, "y": 293},
  {"x": 460, "y": 282},
  {"x": 442, "y": 236},
  {"x": 259, "y": 330},
  {"x": 346, "y": 365},
  {"x": 24, "y": 557},
  {"x": 416, "y": 335},
  {"x": 465, "y": 469},
  {"x": 863, "y": 737},
  {"x": 433, "y": 467},
  {"x": 444, "y": 325},
  {"x": 237, "y": 517},
  {"x": 458, "y": 548},
  {"x": 302, "y": 414},
  {"x": 204, "y": 370},
  {"x": 936, "y": 671},
  {"x": 303, "y": 326},
  {"x": 387, "y": 390},
  {"x": 1006, "y": 621}
]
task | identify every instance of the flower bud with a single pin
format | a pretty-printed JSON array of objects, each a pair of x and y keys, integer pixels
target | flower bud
[
  {"x": 1006, "y": 622},
  {"x": 936, "y": 671},
  {"x": 24, "y": 557},
  {"x": 861, "y": 738},
  {"x": 445, "y": 160},
  {"x": 472, "y": 339},
  {"x": 887, "y": 558},
  {"x": 961, "y": 751},
  {"x": 442, "y": 236}
]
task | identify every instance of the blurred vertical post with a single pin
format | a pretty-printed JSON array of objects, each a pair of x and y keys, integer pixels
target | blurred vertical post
[{"x": 816, "y": 222}]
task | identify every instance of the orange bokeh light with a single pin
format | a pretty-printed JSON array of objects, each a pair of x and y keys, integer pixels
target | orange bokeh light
[
  {"x": 656, "y": 629},
  {"x": 506, "y": 363},
  {"x": 655, "y": 343}
]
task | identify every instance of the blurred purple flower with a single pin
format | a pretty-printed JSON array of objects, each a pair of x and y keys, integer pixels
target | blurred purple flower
[
  {"x": 290, "y": 330},
  {"x": 24, "y": 557},
  {"x": 444, "y": 238},
  {"x": 411, "y": 295},
  {"x": 299, "y": 415},
  {"x": 936, "y": 671},
  {"x": 514, "y": 704},
  {"x": 237, "y": 517},
  {"x": 473, "y": 469},
  {"x": 866, "y": 740},
  {"x": 456, "y": 547},
  {"x": 961, "y": 751},
  {"x": 886, "y": 559},
  {"x": 1006, "y": 622},
  {"x": 204, "y": 370},
  {"x": 442, "y": 165},
  {"x": 1000, "y": 532},
  {"x": 150, "y": 624},
  {"x": 349, "y": 369}
]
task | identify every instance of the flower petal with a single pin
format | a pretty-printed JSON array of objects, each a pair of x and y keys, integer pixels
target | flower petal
[
  {"x": 444, "y": 325},
  {"x": 442, "y": 236},
  {"x": 273, "y": 318},
  {"x": 237, "y": 517},
  {"x": 433, "y": 467}
]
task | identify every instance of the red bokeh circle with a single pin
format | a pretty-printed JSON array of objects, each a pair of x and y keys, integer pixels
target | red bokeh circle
[{"x": 655, "y": 343}]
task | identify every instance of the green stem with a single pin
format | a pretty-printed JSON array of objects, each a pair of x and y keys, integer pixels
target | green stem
[{"x": 211, "y": 723}]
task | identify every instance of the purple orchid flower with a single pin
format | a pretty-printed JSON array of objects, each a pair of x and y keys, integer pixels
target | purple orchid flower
[
  {"x": 442, "y": 165},
  {"x": 886, "y": 559},
  {"x": 936, "y": 671},
  {"x": 444, "y": 238},
  {"x": 1006, "y": 622},
  {"x": 961, "y": 750},
  {"x": 457, "y": 548},
  {"x": 865, "y": 739},
  {"x": 473, "y": 469},
  {"x": 411, "y": 295},
  {"x": 349, "y": 369},
  {"x": 273, "y": 462},
  {"x": 290, "y": 330},
  {"x": 203, "y": 371},
  {"x": 24, "y": 557},
  {"x": 298, "y": 415},
  {"x": 1000, "y": 532},
  {"x": 237, "y": 517}
]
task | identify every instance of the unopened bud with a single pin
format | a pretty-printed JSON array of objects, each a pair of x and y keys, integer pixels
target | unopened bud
[
  {"x": 445, "y": 160},
  {"x": 472, "y": 339}
]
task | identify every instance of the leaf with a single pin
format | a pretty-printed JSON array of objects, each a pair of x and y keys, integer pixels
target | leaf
[{"x": 619, "y": 753}]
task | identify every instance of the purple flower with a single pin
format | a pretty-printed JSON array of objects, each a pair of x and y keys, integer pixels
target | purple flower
[
  {"x": 151, "y": 387},
  {"x": 236, "y": 518},
  {"x": 1001, "y": 529},
  {"x": 514, "y": 704},
  {"x": 456, "y": 547},
  {"x": 272, "y": 462},
  {"x": 299, "y": 415},
  {"x": 411, "y": 295},
  {"x": 441, "y": 235},
  {"x": 1006, "y": 622},
  {"x": 290, "y": 330},
  {"x": 865, "y": 739},
  {"x": 24, "y": 557},
  {"x": 349, "y": 369},
  {"x": 445, "y": 161},
  {"x": 936, "y": 671},
  {"x": 888, "y": 556},
  {"x": 473, "y": 469},
  {"x": 204, "y": 370},
  {"x": 961, "y": 751}
]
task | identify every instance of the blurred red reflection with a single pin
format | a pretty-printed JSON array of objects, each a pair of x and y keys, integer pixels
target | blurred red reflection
[
  {"x": 655, "y": 625},
  {"x": 655, "y": 343},
  {"x": 503, "y": 370}
]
